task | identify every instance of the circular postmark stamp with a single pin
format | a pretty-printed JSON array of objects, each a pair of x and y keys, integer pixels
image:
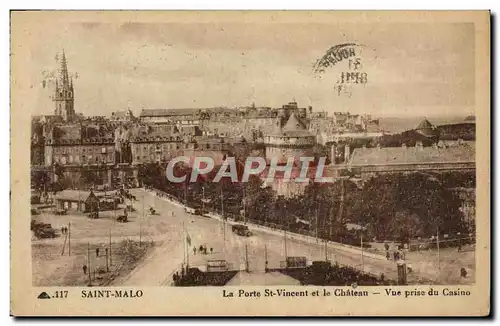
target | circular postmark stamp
[{"x": 346, "y": 61}]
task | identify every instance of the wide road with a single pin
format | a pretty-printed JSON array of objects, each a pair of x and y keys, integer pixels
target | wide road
[{"x": 170, "y": 253}]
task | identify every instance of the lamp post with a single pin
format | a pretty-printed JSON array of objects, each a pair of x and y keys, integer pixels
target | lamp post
[{"x": 202, "y": 200}]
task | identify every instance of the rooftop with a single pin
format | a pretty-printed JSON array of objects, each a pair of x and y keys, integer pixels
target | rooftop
[
  {"x": 183, "y": 111},
  {"x": 424, "y": 124},
  {"x": 294, "y": 127},
  {"x": 76, "y": 195},
  {"x": 167, "y": 112},
  {"x": 400, "y": 155}
]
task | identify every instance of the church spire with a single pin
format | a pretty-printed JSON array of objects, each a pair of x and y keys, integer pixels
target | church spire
[
  {"x": 64, "y": 94},
  {"x": 63, "y": 71}
]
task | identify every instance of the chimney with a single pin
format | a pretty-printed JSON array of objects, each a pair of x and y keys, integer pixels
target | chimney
[
  {"x": 347, "y": 153},
  {"x": 333, "y": 154}
]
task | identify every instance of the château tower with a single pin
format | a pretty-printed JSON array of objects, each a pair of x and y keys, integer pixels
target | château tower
[{"x": 64, "y": 95}]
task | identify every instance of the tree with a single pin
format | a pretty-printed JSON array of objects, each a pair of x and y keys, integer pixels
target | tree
[
  {"x": 405, "y": 226},
  {"x": 259, "y": 201},
  {"x": 413, "y": 198},
  {"x": 323, "y": 200},
  {"x": 39, "y": 180}
]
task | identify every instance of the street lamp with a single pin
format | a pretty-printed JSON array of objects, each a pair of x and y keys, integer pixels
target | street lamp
[{"x": 203, "y": 200}]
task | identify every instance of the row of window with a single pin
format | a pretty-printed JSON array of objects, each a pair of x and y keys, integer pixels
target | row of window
[
  {"x": 151, "y": 147},
  {"x": 89, "y": 159},
  {"x": 172, "y": 146},
  {"x": 69, "y": 150},
  {"x": 151, "y": 158}
]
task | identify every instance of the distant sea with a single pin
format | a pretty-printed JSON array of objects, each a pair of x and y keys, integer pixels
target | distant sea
[{"x": 399, "y": 124}]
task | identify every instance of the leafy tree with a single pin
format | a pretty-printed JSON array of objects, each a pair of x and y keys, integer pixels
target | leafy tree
[
  {"x": 324, "y": 201},
  {"x": 405, "y": 226},
  {"x": 421, "y": 198},
  {"x": 259, "y": 201}
]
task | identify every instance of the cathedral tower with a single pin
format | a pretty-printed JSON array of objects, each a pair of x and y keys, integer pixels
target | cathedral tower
[{"x": 64, "y": 95}]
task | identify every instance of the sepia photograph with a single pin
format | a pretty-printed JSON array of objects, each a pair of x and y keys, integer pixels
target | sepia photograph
[{"x": 238, "y": 149}]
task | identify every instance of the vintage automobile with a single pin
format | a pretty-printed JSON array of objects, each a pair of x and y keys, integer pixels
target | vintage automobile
[
  {"x": 43, "y": 230},
  {"x": 122, "y": 218},
  {"x": 60, "y": 212},
  {"x": 93, "y": 215},
  {"x": 192, "y": 211},
  {"x": 242, "y": 230}
]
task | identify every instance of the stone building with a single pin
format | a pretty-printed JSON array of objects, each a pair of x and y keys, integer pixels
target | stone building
[
  {"x": 154, "y": 146},
  {"x": 293, "y": 140},
  {"x": 123, "y": 116},
  {"x": 367, "y": 162}
]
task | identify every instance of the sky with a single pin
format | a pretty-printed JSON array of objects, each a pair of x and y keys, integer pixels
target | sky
[{"x": 412, "y": 68}]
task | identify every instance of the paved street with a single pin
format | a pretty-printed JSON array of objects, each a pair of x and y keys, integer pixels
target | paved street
[
  {"x": 168, "y": 256},
  {"x": 168, "y": 230}
]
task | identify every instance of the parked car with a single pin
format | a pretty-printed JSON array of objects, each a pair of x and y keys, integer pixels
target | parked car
[
  {"x": 192, "y": 211},
  {"x": 93, "y": 215},
  {"x": 60, "y": 212},
  {"x": 122, "y": 218},
  {"x": 42, "y": 230},
  {"x": 242, "y": 230}
]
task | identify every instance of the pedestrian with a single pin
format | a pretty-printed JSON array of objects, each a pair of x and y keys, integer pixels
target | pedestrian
[
  {"x": 194, "y": 250},
  {"x": 201, "y": 248},
  {"x": 62, "y": 229},
  {"x": 388, "y": 255},
  {"x": 211, "y": 249},
  {"x": 463, "y": 272},
  {"x": 84, "y": 269},
  {"x": 97, "y": 252}
]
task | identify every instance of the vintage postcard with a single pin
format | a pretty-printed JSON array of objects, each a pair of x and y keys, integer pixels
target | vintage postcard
[{"x": 250, "y": 163}]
